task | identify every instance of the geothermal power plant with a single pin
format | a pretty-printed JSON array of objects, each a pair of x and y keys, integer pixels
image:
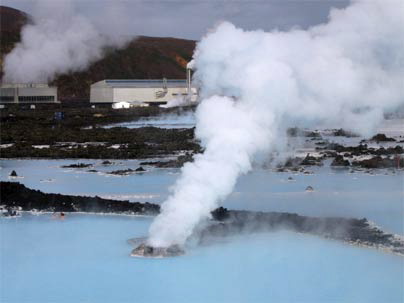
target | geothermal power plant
[
  {"x": 27, "y": 93},
  {"x": 118, "y": 93},
  {"x": 138, "y": 92}
]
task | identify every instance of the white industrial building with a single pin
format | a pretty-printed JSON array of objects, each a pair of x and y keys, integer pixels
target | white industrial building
[
  {"x": 27, "y": 93},
  {"x": 138, "y": 92}
]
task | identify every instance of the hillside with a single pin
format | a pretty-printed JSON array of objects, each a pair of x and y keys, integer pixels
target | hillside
[
  {"x": 143, "y": 58},
  {"x": 11, "y": 22}
]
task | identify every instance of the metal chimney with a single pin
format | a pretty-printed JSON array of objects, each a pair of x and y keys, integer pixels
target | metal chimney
[{"x": 190, "y": 66}]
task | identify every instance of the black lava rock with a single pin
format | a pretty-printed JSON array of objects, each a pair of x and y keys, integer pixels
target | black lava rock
[
  {"x": 340, "y": 161},
  {"x": 382, "y": 138},
  {"x": 310, "y": 160},
  {"x": 379, "y": 162},
  {"x": 144, "y": 250},
  {"x": 14, "y": 194},
  {"x": 78, "y": 165},
  {"x": 343, "y": 133},
  {"x": 122, "y": 172}
]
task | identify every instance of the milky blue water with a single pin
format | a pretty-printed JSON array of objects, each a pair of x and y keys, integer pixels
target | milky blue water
[
  {"x": 185, "y": 120},
  {"x": 377, "y": 196},
  {"x": 86, "y": 259}
]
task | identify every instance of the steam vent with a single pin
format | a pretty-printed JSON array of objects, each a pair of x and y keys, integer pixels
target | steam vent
[{"x": 147, "y": 251}]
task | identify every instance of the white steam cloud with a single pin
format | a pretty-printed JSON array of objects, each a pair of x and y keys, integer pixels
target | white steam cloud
[
  {"x": 179, "y": 101},
  {"x": 255, "y": 84},
  {"x": 61, "y": 40}
]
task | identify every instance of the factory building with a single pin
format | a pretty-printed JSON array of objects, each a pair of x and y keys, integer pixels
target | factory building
[
  {"x": 24, "y": 93},
  {"x": 141, "y": 92}
]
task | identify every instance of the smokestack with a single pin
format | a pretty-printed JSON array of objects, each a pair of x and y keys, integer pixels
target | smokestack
[
  {"x": 189, "y": 81},
  {"x": 190, "y": 66}
]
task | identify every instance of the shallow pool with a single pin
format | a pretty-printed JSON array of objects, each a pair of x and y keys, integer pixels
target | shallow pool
[
  {"x": 378, "y": 196},
  {"x": 86, "y": 259},
  {"x": 184, "y": 120}
]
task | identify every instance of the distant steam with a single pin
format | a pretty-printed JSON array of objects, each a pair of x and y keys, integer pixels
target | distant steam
[
  {"x": 179, "y": 101},
  {"x": 60, "y": 40},
  {"x": 256, "y": 84}
]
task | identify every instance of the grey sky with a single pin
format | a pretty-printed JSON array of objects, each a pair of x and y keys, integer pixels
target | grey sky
[{"x": 191, "y": 18}]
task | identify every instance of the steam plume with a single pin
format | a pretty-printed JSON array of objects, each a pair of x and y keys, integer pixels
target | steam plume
[
  {"x": 60, "y": 40},
  {"x": 179, "y": 101},
  {"x": 255, "y": 84}
]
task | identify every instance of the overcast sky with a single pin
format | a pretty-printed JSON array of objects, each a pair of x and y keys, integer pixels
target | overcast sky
[{"x": 191, "y": 18}]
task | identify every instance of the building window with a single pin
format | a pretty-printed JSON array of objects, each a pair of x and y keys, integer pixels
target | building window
[
  {"x": 6, "y": 99},
  {"x": 33, "y": 99}
]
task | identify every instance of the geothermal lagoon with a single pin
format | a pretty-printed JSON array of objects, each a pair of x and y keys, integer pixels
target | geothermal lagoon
[
  {"x": 184, "y": 120},
  {"x": 318, "y": 212},
  {"x": 337, "y": 192},
  {"x": 86, "y": 257}
]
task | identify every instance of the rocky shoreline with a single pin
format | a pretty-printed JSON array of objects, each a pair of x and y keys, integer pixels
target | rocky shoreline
[
  {"x": 224, "y": 223},
  {"x": 228, "y": 223},
  {"x": 38, "y": 134},
  {"x": 16, "y": 195},
  {"x": 350, "y": 230}
]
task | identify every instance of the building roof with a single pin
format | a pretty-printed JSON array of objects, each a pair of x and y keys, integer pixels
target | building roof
[
  {"x": 24, "y": 85},
  {"x": 141, "y": 83}
]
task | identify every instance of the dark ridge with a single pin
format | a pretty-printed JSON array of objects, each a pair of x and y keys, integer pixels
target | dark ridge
[
  {"x": 13, "y": 194},
  {"x": 175, "y": 163},
  {"x": 379, "y": 162},
  {"x": 237, "y": 221},
  {"x": 356, "y": 231},
  {"x": 340, "y": 161},
  {"x": 382, "y": 138},
  {"x": 27, "y": 128},
  {"x": 11, "y": 22},
  {"x": 361, "y": 149}
]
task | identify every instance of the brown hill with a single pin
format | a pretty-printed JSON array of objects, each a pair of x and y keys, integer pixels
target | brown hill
[
  {"x": 11, "y": 22},
  {"x": 143, "y": 58}
]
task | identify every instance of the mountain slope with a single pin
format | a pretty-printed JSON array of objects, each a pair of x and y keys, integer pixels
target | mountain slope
[
  {"x": 143, "y": 58},
  {"x": 11, "y": 22}
]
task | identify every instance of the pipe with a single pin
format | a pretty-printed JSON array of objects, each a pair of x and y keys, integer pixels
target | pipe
[
  {"x": 190, "y": 66},
  {"x": 189, "y": 82}
]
